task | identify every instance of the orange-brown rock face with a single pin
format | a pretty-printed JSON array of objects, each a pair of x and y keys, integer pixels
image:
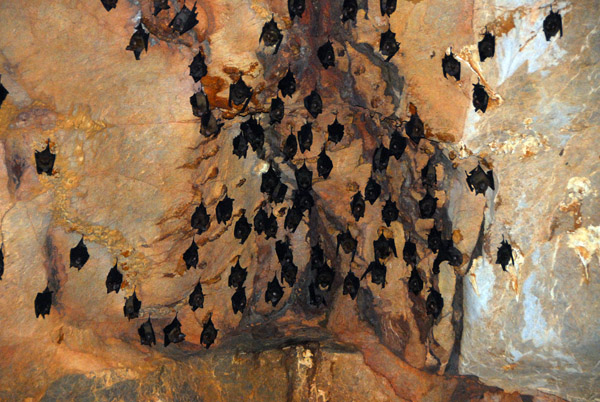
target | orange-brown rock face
[{"x": 132, "y": 167}]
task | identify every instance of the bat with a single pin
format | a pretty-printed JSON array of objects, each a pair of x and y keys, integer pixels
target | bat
[
  {"x": 271, "y": 35},
  {"x": 351, "y": 285},
  {"x": 434, "y": 303},
  {"x": 240, "y": 146},
  {"x": 242, "y": 229},
  {"x": 239, "y": 93},
  {"x": 287, "y": 85},
  {"x": 429, "y": 175},
  {"x": 200, "y": 219},
  {"x": 357, "y": 206},
  {"x": 146, "y": 333},
  {"x": 378, "y": 272},
  {"x": 427, "y": 206},
  {"x": 313, "y": 104},
  {"x": 372, "y": 190},
  {"x": 277, "y": 110},
  {"x": 451, "y": 66},
  {"x": 305, "y": 137},
  {"x": 274, "y": 292},
  {"x": 43, "y": 302},
  {"x": 349, "y": 10},
  {"x": 315, "y": 297},
  {"x": 381, "y": 158},
  {"x": 347, "y": 242},
  {"x": 389, "y": 212},
  {"x": 114, "y": 280},
  {"x": 3, "y": 93},
  {"x": 184, "y": 20},
  {"x": 138, "y": 41},
  {"x": 196, "y": 299},
  {"x": 480, "y": 98},
  {"x": 272, "y": 227},
  {"x": 199, "y": 102},
  {"x": 415, "y": 129},
  {"x": 505, "y": 254},
  {"x": 237, "y": 276},
  {"x": 447, "y": 253},
  {"x": 190, "y": 256},
  {"x": 415, "y": 283},
  {"x": 109, "y": 4},
  {"x": 44, "y": 160},
  {"x": 198, "y": 68},
  {"x": 552, "y": 25},
  {"x": 317, "y": 257},
  {"x": 209, "y": 333},
  {"x": 132, "y": 306},
  {"x": 479, "y": 180},
  {"x": 296, "y": 8},
  {"x": 269, "y": 180},
  {"x": 173, "y": 332},
  {"x": 238, "y": 300},
  {"x": 260, "y": 221},
  {"x": 387, "y": 7},
  {"x": 325, "y": 275},
  {"x": 324, "y": 164},
  {"x": 79, "y": 255},
  {"x": 1, "y": 261},
  {"x": 384, "y": 247},
  {"x": 279, "y": 193},
  {"x": 487, "y": 46},
  {"x": 397, "y": 144},
  {"x": 160, "y": 5},
  {"x": 292, "y": 219},
  {"x": 288, "y": 273},
  {"x": 409, "y": 253},
  {"x": 290, "y": 147},
  {"x": 388, "y": 45},
  {"x": 284, "y": 252},
  {"x": 304, "y": 177},
  {"x": 326, "y": 55},
  {"x": 254, "y": 133},
  {"x": 209, "y": 125},
  {"x": 335, "y": 131},
  {"x": 434, "y": 239},
  {"x": 224, "y": 209}
]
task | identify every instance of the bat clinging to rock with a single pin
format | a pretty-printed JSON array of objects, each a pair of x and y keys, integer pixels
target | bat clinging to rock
[
  {"x": 347, "y": 242},
  {"x": 224, "y": 210},
  {"x": 146, "y": 333},
  {"x": 200, "y": 219},
  {"x": 196, "y": 299},
  {"x": 505, "y": 254},
  {"x": 132, "y": 306},
  {"x": 44, "y": 160},
  {"x": 325, "y": 276},
  {"x": 313, "y": 104},
  {"x": 290, "y": 147},
  {"x": 237, "y": 276},
  {"x": 326, "y": 55},
  {"x": 390, "y": 212},
  {"x": 372, "y": 190},
  {"x": 552, "y": 25},
  {"x": 287, "y": 85},
  {"x": 381, "y": 158},
  {"x": 254, "y": 133},
  {"x": 451, "y": 66},
  {"x": 415, "y": 283},
  {"x": 304, "y": 178},
  {"x": 415, "y": 129},
  {"x": 349, "y": 10},
  {"x": 199, "y": 102},
  {"x": 388, "y": 45},
  {"x": 274, "y": 292},
  {"x": 260, "y": 221},
  {"x": 3, "y": 93},
  {"x": 160, "y": 5},
  {"x": 138, "y": 41},
  {"x": 184, "y": 20},
  {"x": 296, "y": 8},
  {"x": 43, "y": 302},
  {"x": 397, "y": 144},
  {"x": 198, "y": 68},
  {"x": 272, "y": 227},
  {"x": 209, "y": 333},
  {"x": 277, "y": 110},
  {"x": 114, "y": 279},
  {"x": 109, "y": 4},
  {"x": 480, "y": 98},
  {"x": 434, "y": 239},
  {"x": 486, "y": 46},
  {"x": 427, "y": 206},
  {"x": 238, "y": 300},
  {"x": 434, "y": 303},
  {"x": 271, "y": 35},
  {"x": 293, "y": 218},
  {"x": 351, "y": 285},
  {"x": 479, "y": 180},
  {"x": 335, "y": 131},
  {"x": 78, "y": 256},
  {"x": 378, "y": 272},
  {"x": 173, "y": 332},
  {"x": 288, "y": 273},
  {"x": 242, "y": 229},
  {"x": 409, "y": 253},
  {"x": 357, "y": 206},
  {"x": 239, "y": 93},
  {"x": 190, "y": 256},
  {"x": 305, "y": 137},
  {"x": 209, "y": 125},
  {"x": 387, "y": 7},
  {"x": 384, "y": 247},
  {"x": 324, "y": 164}
]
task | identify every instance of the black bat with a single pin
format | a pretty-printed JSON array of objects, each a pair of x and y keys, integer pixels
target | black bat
[
  {"x": 315, "y": 297},
  {"x": 347, "y": 242},
  {"x": 552, "y": 25},
  {"x": 238, "y": 300},
  {"x": 109, "y": 4},
  {"x": 324, "y": 164},
  {"x": 200, "y": 219},
  {"x": 173, "y": 332},
  {"x": 254, "y": 133},
  {"x": 272, "y": 227},
  {"x": 397, "y": 144},
  {"x": 479, "y": 180},
  {"x": 447, "y": 253},
  {"x": 271, "y": 35},
  {"x": 43, "y": 302},
  {"x": 415, "y": 129},
  {"x": 184, "y": 20},
  {"x": 349, "y": 10},
  {"x": 277, "y": 110},
  {"x": 196, "y": 299},
  {"x": 79, "y": 255},
  {"x": 326, "y": 55},
  {"x": 378, "y": 272},
  {"x": 388, "y": 45},
  {"x": 132, "y": 306},
  {"x": 335, "y": 131},
  {"x": 296, "y": 8},
  {"x": 284, "y": 252},
  {"x": 242, "y": 229},
  {"x": 190, "y": 256},
  {"x": 209, "y": 333},
  {"x": 487, "y": 46},
  {"x": 304, "y": 177},
  {"x": 434, "y": 303},
  {"x": 224, "y": 209},
  {"x": 505, "y": 254},
  {"x": 44, "y": 160},
  {"x": 146, "y": 333},
  {"x": 317, "y": 257},
  {"x": 480, "y": 98},
  {"x": 269, "y": 180},
  {"x": 415, "y": 283},
  {"x": 138, "y": 41},
  {"x": 1, "y": 261},
  {"x": 278, "y": 193},
  {"x": 427, "y": 206},
  {"x": 372, "y": 190},
  {"x": 239, "y": 93},
  {"x": 387, "y": 7},
  {"x": 114, "y": 279},
  {"x": 434, "y": 239},
  {"x": 384, "y": 247},
  {"x": 409, "y": 253},
  {"x": 389, "y": 212},
  {"x": 199, "y": 102},
  {"x": 260, "y": 221},
  {"x": 293, "y": 218},
  {"x": 287, "y": 85},
  {"x": 381, "y": 158},
  {"x": 351, "y": 285},
  {"x": 305, "y": 137},
  {"x": 288, "y": 273},
  {"x": 313, "y": 104},
  {"x": 451, "y": 66},
  {"x": 209, "y": 125},
  {"x": 429, "y": 175},
  {"x": 290, "y": 147},
  {"x": 3, "y": 93},
  {"x": 325, "y": 275},
  {"x": 357, "y": 206},
  {"x": 240, "y": 146},
  {"x": 274, "y": 292},
  {"x": 237, "y": 276},
  {"x": 160, "y": 5},
  {"x": 198, "y": 68}
]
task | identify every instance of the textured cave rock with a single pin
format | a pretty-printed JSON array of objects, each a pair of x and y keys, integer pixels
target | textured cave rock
[{"x": 131, "y": 168}]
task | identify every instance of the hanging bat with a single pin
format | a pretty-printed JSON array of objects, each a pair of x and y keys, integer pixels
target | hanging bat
[
  {"x": 284, "y": 252},
  {"x": 196, "y": 299},
  {"x": 3, "y": 93},
  {"x": 269, "y": 181},
  {"x": 409, "y": 253},
  {"x": 305, "y": 137},
  {"x": 351, "y": 285},
  {"x": 132, "y": 306},
  {"x": 381, "y": 158},
  {"x": 388, "y": 45},
  {"x": 357, "y": 206},
  {"x": 43, "y": 302},
  {"x": 209, "y": 125},
  {"x": 387, "y": 7},
  {"x": 274, "y": 292},
  {"x": 288, "y": 273},
  {"x": 384, "y": 247},
  {"x": 480, "y": 98},
  {"x": 434, "y": 239},
  {"x": 237, "y": 276},
  {"x": 447, "y": 253},
  {"x": 199, "y": 102},
  {"x": 429, "y": 175},
  {"x": 317, "y": 257},
  {"x": 324, "y": 164},
  {"x": 313, "y": 104},
  {"x": 277, "y": 110},
  {"x": 242, "y": 229},
  {"x": 209, "y": 333},
  {"x": 451, "y": 66},
  {"x": 315, "y": 297},
  {"x": 326, "y": 55},
  {"x": 279, "y": 193},
  {"x": 114, "y": 279},
  {"x": 240, "y": 146},
  {"x": 335, "y": 131},
  {"x": 139, "y": 41},
  {"x": 238, "y": 300},
  {"x": 1, "y": 261},
  {"x": 254, "y": 133},
  {"x": 173, "y": 332},
  {"x": 552, "y": 25},
  {"x": 44, "y": 160},
  {"x": 325, "y": 275},
  {"x": 272, "y": 227},
  {"x": 389, "y": 212},
  {"x": 290, "y": 147},
  {"x": 198, "y": 68},
  {"x": 200, "y": 219},
  {"x": 415, "y": 283},
  {"x": 190, "y": 256},
  {"x": 224, "y": 210},
  {"x": 372, "y": 190},
  {"x": 397, "y": 144},
  {"x": 415, "y": 129},
  {"x": 505, "y": 254},
  {"x": 304, "y": 177},
  {"x": 347, "y": 242},
  {"x": 486, "y": 46},
  {"x": 293, "y": 218},
  {"x": 287, "y": 85},
  {"x": 296, "y": 8},
  {"x": 271, "y": 35},
  {"x": 160, "y": 5},
  {"x": 479, "y": 180},
  {"x": 146, "y": 333},
  {"x": 427, "y": 206},
  {"x": 79, "y": 255},
  {"x": 378, "y": 272},
  {"x": 239, "y": 93},
  {"x": 434, "y": 303},
  {"x": 260, "y": 221},
  {"x": 109, "y": 4},
  {"x": 184, "y": 20},
  {"x": 349, "y": 10}
]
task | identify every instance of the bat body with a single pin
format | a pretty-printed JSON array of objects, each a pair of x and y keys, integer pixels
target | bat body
[
  {"x": 434, "y": 303},
  {"x": 296, "y": 8},
  {"x": 480, "y": 98},
  {"x": 43, "y": 303},
  {"x": 288, "y": 273},
  {"x": 198, "y": 68},
  {"x": 304, "y": 177},
  {"x": 254, "y": 133},
  {"x": 372, "y": 190},
  {"x": 317, "y": 257},
  {"x": 240, "y": 146},
  {"x": 287, "y": 85},
  {"x": 388, "y": 45},
  {"x": 274, "y": 292},
  {"x": 139, "y": 41},
  {"x": 409, "y": 253},
  {"x": 351, "y": 285},
  {"x": 347, "y": 242},
  {"x": 109, "y": 4},
  {"x": 552, "y": 25},
  {"x": 3, "y": 93},
  {"x": 415, "y": 283},
  {"x": 269, "y": 181},
  {"x": 1, "y": 262},
  {"x": 160, "y": 5},
  {"x": 397, "y": 144},
  {"x": 173, "y": 332},
  {"x": 199, "y": 102},
  {"x": 429, "y": 175},
  {"x": 305, "y": 137},
  {"x": 378, "y": 272},
  {"x": 448, "y": 253},
  {"x": 357, "y": 206},
  {"x": 387, "y": 7},
  {"x": 325, "y": 275},
  {"x": 132, "y": 306},
  {"x": 271, "y": 35},
  {"x": 434, "y": 239},
  {"x": 196, "y": 299},
  {"x": 313, "y": 104},
  {"x": 272, "y": 227},
  {"x": 277, "y": 110},
  {"x": 190, "y": 256},
  {"x": 381, "y": 158},
  {"x": 239, "y": 93},
  {"x": 335, "y": 131},
  {"x": 44, "y": 160},
  {"x": 505, "y": 254},
  {"x": 114, "y": 279},
  {"x": 479, "y": 180},
  {"x": 260, "y": 221},
  {"x": 427, "y": 206},
  {"x": 209, "y": 333},
  {"x": 79, "y": 255},
  {"x": 237, "y": 276},
  {"x": 415, "y": 129},
  {"x": 290, "y": 147},
  {"x": 389, "y": 212},
  {"x": 278, "y": 193},
  {"x": 315, "y": 297},
  {"x": 184, "y": 20},
  {"x": 384, "y": 247},
  {"x": 209, "y": 125},
  {"x": 487, "y": 46},
  {"x": 349, "y": 10},
  {"x": 293, "y": 218},
  {"x": 324, "y": 164},
  {"x": 242, "y": 229},
  {"x": 200, "y": 219},
  {"x": 238, "y": 300},
  {"x": 451, "y": 66},
  {"x": 146, "y": 333},
  {"x": 224, "y": 210},
  {"x": 326, "y": 55}
]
